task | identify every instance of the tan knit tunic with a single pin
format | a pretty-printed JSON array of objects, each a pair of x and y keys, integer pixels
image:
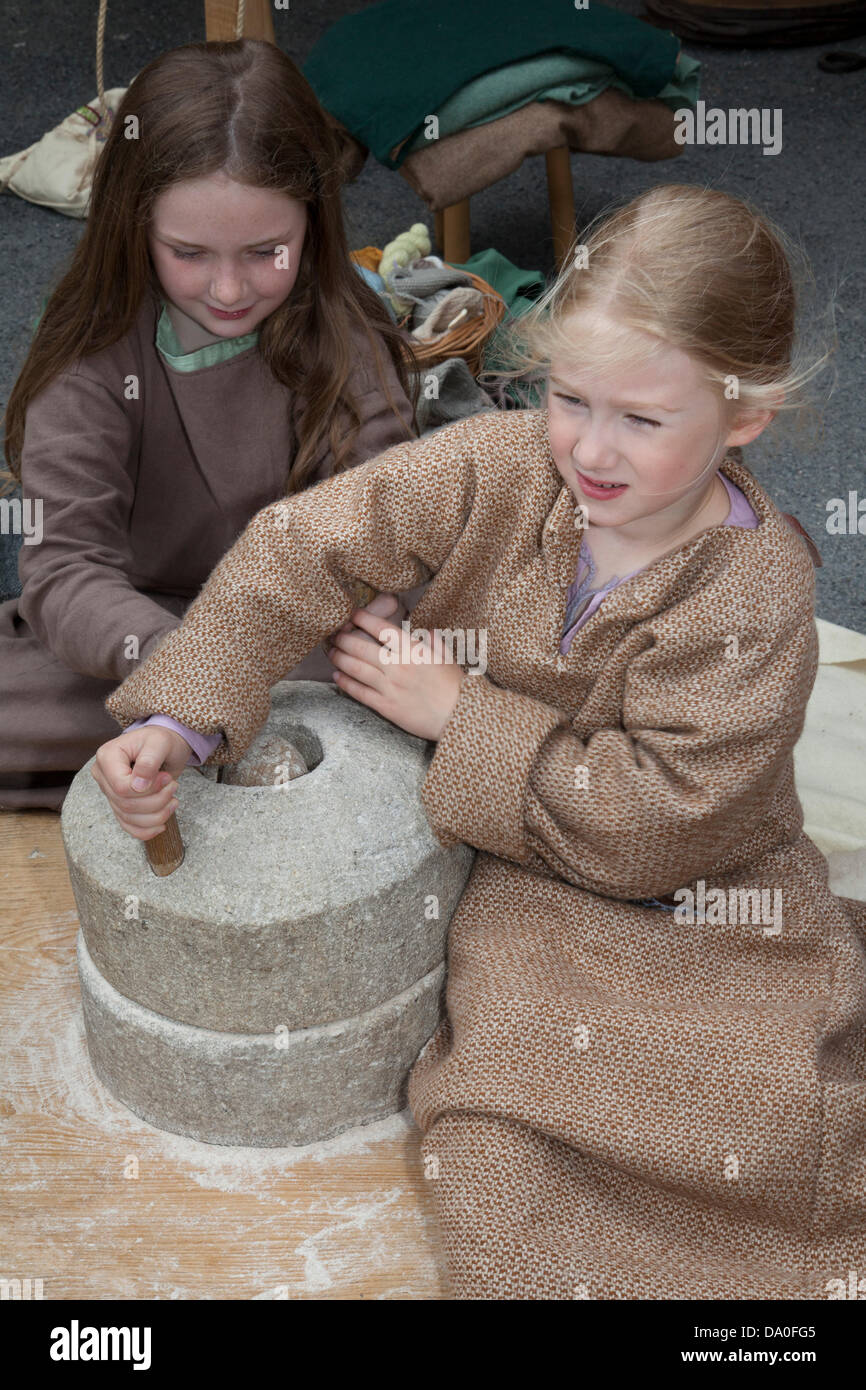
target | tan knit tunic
[{"x": 619, "y": 1104}]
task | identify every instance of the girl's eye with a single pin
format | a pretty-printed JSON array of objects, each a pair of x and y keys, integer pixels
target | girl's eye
[
  {"x": 191, "y": 255},
  {"x": 576, "y": 400}
]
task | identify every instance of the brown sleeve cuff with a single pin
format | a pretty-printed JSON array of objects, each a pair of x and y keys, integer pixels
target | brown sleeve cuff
[{"x": 475, "y": 788}]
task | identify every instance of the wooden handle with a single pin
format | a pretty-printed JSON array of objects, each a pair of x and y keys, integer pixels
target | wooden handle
[{"x": 165, "y": 851}]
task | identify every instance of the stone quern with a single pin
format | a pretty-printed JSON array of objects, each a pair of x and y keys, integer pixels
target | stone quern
[{"x": 277, "y": 987}]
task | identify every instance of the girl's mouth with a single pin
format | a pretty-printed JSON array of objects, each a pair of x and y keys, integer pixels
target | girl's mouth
[
  {"x": 600, "y": 490},
  {"x": 235, "y": 314}
]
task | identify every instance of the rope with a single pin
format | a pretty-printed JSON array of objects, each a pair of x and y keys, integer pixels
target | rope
[
  {"x": 100, "y": 45},
  {"x": 239, "y": 22},
  {"x": 106, "y": 115}
]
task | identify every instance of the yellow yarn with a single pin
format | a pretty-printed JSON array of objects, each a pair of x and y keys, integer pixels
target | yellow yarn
[{"x": 404, "y": 249}]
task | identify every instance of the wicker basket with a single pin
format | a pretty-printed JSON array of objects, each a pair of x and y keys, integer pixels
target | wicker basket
[{"x": 467, "y": 340}]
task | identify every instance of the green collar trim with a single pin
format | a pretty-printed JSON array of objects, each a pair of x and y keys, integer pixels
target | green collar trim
[{"x": 170, "y": 349}]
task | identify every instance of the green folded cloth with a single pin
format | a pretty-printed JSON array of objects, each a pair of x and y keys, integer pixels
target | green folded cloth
[
  {"x": 517, "y": 287},
  {"x": 363, "y": 70},
  {"x": 549, "y": 77}
]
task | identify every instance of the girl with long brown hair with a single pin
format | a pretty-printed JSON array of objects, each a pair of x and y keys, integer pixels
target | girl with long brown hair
[{"x": 210, "y": 348}]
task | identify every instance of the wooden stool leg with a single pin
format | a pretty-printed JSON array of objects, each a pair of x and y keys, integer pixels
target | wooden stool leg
[
  {"x": 455, "y": 232},
  {"x": 561, "y": 197},
  {"x": 220, "y": 17},
  {"x": 439, "y": 230}
]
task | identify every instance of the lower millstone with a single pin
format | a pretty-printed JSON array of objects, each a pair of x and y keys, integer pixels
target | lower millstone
[{"x": 262, "y": 1090}]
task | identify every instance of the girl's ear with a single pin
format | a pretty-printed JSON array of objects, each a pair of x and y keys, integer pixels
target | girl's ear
[{"x": 748, "y": 425}]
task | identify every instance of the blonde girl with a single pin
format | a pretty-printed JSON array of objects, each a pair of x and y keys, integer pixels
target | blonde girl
[
  {"x": 210, "y": 348},
  {"x": 650, "y": 1080}
]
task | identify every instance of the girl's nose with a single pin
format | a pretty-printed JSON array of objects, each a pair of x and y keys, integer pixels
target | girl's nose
[
  {"x": 227, "y": 289},
  {"x": 593, "y": 450}
]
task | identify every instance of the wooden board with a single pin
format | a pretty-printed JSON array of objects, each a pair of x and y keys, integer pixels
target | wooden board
[{"x": 100, "y": 1205}]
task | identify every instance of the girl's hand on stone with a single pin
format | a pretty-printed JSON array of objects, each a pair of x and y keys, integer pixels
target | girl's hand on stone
[
  {"x": 141, "y": 754},
  {"x": 418, "y": 696}
]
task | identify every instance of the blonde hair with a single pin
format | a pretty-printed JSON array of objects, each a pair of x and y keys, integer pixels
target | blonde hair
[{"x": 694, "y": 268}]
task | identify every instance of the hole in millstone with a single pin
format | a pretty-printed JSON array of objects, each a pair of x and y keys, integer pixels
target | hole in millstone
[{"x": 275, "y": 758}]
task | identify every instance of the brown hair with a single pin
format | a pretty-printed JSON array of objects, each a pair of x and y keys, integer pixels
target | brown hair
[
  {"x": 692, "y": 267},
  {"x": 245, "y": 109}
]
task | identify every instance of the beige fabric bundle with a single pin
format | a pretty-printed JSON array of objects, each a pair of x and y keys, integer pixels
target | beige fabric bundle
[{"x": 611, "y": 123}]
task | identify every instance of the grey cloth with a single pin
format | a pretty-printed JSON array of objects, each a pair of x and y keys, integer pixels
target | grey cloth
[
  {"x": 458, "y": 395},
  {"x": 425, "y": 285},
  {"x": 422, "y": 278}
]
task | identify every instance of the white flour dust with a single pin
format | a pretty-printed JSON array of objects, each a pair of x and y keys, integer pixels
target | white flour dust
[
  {"x": 304, "y": 1233},
  {"x": 226, "y": 1167}
]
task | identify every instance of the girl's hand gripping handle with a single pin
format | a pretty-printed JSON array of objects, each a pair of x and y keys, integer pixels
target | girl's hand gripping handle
[{"x": 137, "y": 772}]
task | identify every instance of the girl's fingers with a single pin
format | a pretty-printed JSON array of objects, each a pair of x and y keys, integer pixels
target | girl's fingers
[
  {"x": 143, "y": 750},
  {"x": 114, "y": 761},
  {"x": 155, "y": 820},
  {"x": 146, "y": 820},
  {"x": 353, "y": 666},
  {"x": 360, "y": 649},
  {"x": 143, "y": 813},
  {"x": 148, "y": 832},
  {"x": 144, "y": 803},
  {"x": 384, "y": 605}
]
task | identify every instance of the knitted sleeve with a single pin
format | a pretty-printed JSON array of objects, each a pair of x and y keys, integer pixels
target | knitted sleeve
[
  {"x": 674, "y": 788},
  {"x": 286, "y": 584},
  {"x": 78, "y": 460}
]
